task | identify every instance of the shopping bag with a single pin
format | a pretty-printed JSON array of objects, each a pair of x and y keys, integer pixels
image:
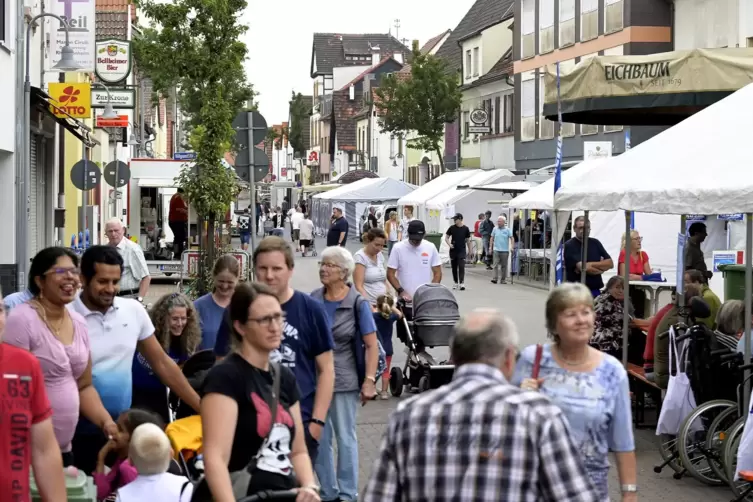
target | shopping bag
[
  {"x": 745, "y": 450},
  {"x": 679, "y": 401}
]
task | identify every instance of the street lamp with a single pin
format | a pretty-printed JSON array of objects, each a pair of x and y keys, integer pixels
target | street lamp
[
  {"x": 66, "y": 63},
  {"x": 109, "y": 112},
  {"x": 133, "y": 140}
]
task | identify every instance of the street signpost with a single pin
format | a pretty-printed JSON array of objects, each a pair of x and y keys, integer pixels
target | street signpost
[
  {"x": 85, "y": 175},
  {"x": 117, "y": 170},
  {"x": 184, "y": 156},
  {"x": 251, "y": 129}
]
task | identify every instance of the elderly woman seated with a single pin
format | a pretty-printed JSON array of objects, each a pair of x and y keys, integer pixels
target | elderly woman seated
[
  {"x": 609, "y": 308},
  {"x": 730, "y": 325}
]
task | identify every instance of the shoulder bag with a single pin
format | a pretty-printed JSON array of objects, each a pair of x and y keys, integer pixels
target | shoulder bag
[{"x": 242, "y": 479}]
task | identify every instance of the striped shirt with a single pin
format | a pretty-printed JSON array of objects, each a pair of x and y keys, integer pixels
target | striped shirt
[
  {"x": 478, "y": 439},
  {"x": 134, "y": 264}
]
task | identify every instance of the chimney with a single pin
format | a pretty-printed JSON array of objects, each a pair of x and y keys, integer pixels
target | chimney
[
  {"x": 398, "y": 56},
  {"x": 375, "y": 55}
]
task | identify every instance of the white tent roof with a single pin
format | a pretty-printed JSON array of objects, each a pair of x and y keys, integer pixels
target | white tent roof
[
  {"x": 450, "y": 196},
  {"x": 369, "y": 190},
  {"x": 508, "y": 186},
  {"x": 426, "y": 192},
  {"x": 542, "y": 196},
  {"x": 700, "y": 166}
]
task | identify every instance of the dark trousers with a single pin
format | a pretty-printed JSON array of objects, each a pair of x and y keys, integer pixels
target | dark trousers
[
  {"x": 86, "y": 449},
  {"x": 154, "y": 400},
  {"x": 180, "y": 234},
  {"x": 457, "y": 260}
]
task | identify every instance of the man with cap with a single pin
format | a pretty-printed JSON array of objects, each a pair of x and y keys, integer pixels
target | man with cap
[
  {"x": 413, "y": 263},
  {"x": 693, "y": 255},
  {"x": 458, "y": 238},
  {"x": 338, "y": 231}
]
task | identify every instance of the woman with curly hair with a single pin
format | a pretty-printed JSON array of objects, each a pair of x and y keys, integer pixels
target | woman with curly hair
[{"x": 176, "y": 327}]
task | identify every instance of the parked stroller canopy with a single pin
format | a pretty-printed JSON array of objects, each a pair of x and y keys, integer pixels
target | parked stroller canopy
[{"x": 434, "y": 303}]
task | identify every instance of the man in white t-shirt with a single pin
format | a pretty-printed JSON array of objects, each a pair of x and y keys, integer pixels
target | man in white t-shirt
[
  {"x": 295, "y": 222},
  {"x": 402, "y": 231},
  {"x": 306, "y": 233}
]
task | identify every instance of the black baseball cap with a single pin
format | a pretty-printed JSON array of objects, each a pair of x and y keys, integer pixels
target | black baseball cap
[
  {"x": 457, "y": 216},
  {"x": 416, "y": 229}
]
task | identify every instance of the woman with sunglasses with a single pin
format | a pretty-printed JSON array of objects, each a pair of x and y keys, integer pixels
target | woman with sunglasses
[{"x": 59, "y": 339}]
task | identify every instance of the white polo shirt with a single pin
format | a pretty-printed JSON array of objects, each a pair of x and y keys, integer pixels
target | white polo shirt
[
  {"x": 413, "y": 264},
  {"x": 296, "y": 220},
  {"x": 113, "y": 337},
  {"x": 134, "y": 264}
]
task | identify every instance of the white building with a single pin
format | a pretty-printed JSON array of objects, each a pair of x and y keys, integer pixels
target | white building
[{"x": 713, "y": 24}]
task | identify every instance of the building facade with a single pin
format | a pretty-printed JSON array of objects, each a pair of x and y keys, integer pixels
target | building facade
[
  {"x": 568, "y": 32},
  {"x": 712, "y": 24}
]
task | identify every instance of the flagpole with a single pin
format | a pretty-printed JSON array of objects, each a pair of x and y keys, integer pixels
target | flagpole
[{"x": 559, "y": 262}]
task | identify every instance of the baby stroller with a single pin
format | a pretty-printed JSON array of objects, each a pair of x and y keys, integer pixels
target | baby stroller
[
  {"x": 431, "y": 323},
  {"x": 184, "y": 431},
  {"x": 311, "y": 248}
]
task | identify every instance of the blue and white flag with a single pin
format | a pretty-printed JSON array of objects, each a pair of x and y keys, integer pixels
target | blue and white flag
[{"x": 558, "y": 181}]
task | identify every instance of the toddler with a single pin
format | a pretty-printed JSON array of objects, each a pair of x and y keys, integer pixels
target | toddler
[
  {"x": 151, "y": 455},
  {"x": 385, "y": 316},
  {"x": 122, "y": 471}
]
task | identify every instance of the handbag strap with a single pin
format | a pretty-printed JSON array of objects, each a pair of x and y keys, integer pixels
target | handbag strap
[
  {"x": 274, "y": 404},
  {"x": 537, "y": 361}
]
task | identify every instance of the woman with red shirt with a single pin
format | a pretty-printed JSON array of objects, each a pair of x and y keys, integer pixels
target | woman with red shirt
[
  {"x": 480, "y": 251},
  {"x": 638, "y": 267}
]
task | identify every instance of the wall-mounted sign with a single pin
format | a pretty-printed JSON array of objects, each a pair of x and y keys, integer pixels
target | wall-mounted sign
[
  {"x": 119, "y": 98},
  {"x": 597, "y": 149},
  {"x": 479, "y": 129},
  {"x": 113, "y": 62},
  {"x": 121, "y": 121},
  {"x": 731, "y": 217},
  {"x": 312, "y": 157},
  {"x": 184, "y": 156},
  {"x": 479, "y": 116},
  {"x": 70, "y": 100},
  {"x": 79, "y": 14}
]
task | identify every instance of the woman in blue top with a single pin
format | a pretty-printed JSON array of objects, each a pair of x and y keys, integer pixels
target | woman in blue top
[
  {"x": 589, "y": 386},
  {"x": 211, "y": 307},
  {"x": 176, "y": 327}
]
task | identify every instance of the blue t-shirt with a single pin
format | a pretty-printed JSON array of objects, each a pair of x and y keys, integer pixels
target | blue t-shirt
[
  {"x": 143, "y": 375},
  {"x": 339, "y": 226},
  {"x": 501, "y": 239},
  {"x": 306, "y": 334},
  {"x": 574, "y": 254},
  {"x": 596, "y": 404},
  {"x": 384, "y": 330},
  {"x": 211, "y": 316}
]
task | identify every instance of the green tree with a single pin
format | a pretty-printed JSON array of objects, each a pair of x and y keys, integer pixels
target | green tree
[
  {"x": 299, "y": 114},
  {"x": 423, "y": 102},
  {"x": 194, "y": 48}
]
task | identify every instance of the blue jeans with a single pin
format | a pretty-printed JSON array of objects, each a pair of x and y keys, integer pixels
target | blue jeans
[{"x": 341, "y": 423}]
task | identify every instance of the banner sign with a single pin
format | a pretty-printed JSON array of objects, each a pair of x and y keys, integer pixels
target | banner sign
[
  {"x": 79, "y": 14},
  {"x": 70, "y": 100}
]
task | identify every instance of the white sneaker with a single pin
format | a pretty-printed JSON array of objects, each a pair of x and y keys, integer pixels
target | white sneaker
[
  {"x": 462, "y": 287},
  {"x": 455, "y": 286}
]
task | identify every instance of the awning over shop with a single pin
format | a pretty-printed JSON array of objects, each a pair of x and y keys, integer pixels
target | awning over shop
[
  {"x": 42, "y": 102},
  {"x": 657, "y": 89}
]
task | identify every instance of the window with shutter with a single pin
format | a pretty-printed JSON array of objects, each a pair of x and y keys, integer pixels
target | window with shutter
[
  {"x": 497, "y": 104},
  {"x": 613, "y": 15},
  {"x": 546, "y": 26},
  {"x": 528, "y": 29},
  {"x": 509, "y": 106},
  {"x": 546, "y": 127},
  {"x": 589, "y": 19},
  {"x": 528, "y": 110}
]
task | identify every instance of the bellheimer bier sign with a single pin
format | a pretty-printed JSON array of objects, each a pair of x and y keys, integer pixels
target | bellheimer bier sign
[{"x": 113, "y": 60}]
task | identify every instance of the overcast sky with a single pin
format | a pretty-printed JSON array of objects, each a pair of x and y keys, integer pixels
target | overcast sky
[{"x": 281, "y": 33}]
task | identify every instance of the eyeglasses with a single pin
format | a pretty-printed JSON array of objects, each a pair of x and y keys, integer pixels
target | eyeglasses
[
  {"x": 639, "y": 239},
  {"x": 64, "y": 271},
  {"x": 266, "y": 321},
  {"x": 323, "y": 264}
]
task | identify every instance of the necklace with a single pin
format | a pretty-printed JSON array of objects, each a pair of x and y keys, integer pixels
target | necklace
[
  {"x": 42, "y": 313},
  {"x": 573, "y": 363}
]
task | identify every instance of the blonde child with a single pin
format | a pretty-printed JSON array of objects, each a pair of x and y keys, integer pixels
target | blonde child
[
  {"x": 384, "y": 317},
  {"x": 151, "y": 455}
]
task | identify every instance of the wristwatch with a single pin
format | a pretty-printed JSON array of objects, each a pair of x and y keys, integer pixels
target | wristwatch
[
  {"x": 400, "y": 290},
  {"x": 629, "y": 488}
]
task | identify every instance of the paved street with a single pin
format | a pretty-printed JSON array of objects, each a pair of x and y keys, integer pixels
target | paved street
[{"x": 525, "y": 305}]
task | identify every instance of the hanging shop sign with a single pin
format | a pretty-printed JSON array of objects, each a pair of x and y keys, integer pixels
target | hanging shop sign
[
  {"x": 119, "y": 98},
  {"x": 120, "y": 121},
  {"x": 79, "y": 15},
  {"x": 70, "y": 100},
  {"x": 113, "y": 62}
]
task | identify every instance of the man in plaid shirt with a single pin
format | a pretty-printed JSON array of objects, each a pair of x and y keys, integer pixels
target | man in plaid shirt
[{"x": 479, "y": 438}]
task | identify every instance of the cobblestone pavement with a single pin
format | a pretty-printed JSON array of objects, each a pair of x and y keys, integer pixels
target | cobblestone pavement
[{"x": 525, "y": 305}]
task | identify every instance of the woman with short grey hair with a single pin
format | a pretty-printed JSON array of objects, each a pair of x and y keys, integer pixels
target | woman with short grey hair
[
  {"x": 356, "y": 357},
  {"x": 730, "y": 324}
]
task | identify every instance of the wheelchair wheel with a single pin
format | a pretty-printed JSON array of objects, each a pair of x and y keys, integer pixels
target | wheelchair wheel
[
  {"x": 716, "y": 438},
  {"x": 669, "y": 455},
  {"x": 691, "y": 441},
  {"x": 731, "y": 444},
  {"x": 396, "y": 382}
]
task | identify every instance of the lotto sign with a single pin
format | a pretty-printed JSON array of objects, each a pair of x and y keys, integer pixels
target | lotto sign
[
  {"x": 191, "y": 262},
  {"x": 70, "y": 100}
]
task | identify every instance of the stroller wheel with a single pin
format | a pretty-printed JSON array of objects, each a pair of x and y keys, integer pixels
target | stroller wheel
[
  {"x": 396, "y": 382},
  {"x": 423, "y": 384}
]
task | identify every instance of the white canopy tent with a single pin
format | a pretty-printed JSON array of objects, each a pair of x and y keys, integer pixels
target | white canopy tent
[
  {"x": 444, "y": 205},
  {"x": 506, "y": 186},
  {"x": 699, "y": 166},
  {"x": 419, "y": 197}
]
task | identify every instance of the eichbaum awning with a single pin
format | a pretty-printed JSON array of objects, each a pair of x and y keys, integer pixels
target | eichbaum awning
[{"x": 658, "y": 89}]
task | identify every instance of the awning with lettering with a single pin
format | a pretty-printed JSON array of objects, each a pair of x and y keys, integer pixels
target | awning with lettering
[
  {"x": 41, "y": 101},
  {"x": 657, "y": 89}
]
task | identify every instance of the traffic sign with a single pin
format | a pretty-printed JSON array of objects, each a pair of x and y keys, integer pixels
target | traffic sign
[
  {"x": 184, "y": 156},
  {"x": 260, "y": 169},
  {"x": 240, "y": 124},
  {"x": 85, "y": 175},
  {"x": 124, "y": 173}
]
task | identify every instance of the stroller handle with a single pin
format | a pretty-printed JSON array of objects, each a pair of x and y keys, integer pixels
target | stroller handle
[{"x": 271, "y": 495}]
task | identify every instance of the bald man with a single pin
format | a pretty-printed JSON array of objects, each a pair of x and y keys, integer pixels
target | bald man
[{"x": 135, "y": 280}]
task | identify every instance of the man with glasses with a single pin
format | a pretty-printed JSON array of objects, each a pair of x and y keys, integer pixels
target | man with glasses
[
  {"x": 136, "y": 279},
  {"x": 307, "y": 342},
  {"x": 598, "y": 260}
]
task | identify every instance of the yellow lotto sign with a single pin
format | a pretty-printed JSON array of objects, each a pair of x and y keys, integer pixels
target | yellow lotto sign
[{"x": 71, "y": 100}]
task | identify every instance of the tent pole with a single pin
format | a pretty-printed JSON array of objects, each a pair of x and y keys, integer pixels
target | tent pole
[
  {"x": 554, "y": 248},
  {"x": 626, "y": 286},
  {"x": 584, "y": 250},
  {"x": 748, "y": 306}
]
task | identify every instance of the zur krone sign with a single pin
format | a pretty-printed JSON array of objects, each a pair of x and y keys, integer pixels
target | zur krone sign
[{"x": 70, "y": 100}]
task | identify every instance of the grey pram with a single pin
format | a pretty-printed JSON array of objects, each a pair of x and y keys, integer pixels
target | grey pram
[{"x": 431, "y": 323}]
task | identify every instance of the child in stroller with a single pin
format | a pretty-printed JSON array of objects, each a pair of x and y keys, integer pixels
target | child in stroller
[{"x": 430, "y": 323}]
